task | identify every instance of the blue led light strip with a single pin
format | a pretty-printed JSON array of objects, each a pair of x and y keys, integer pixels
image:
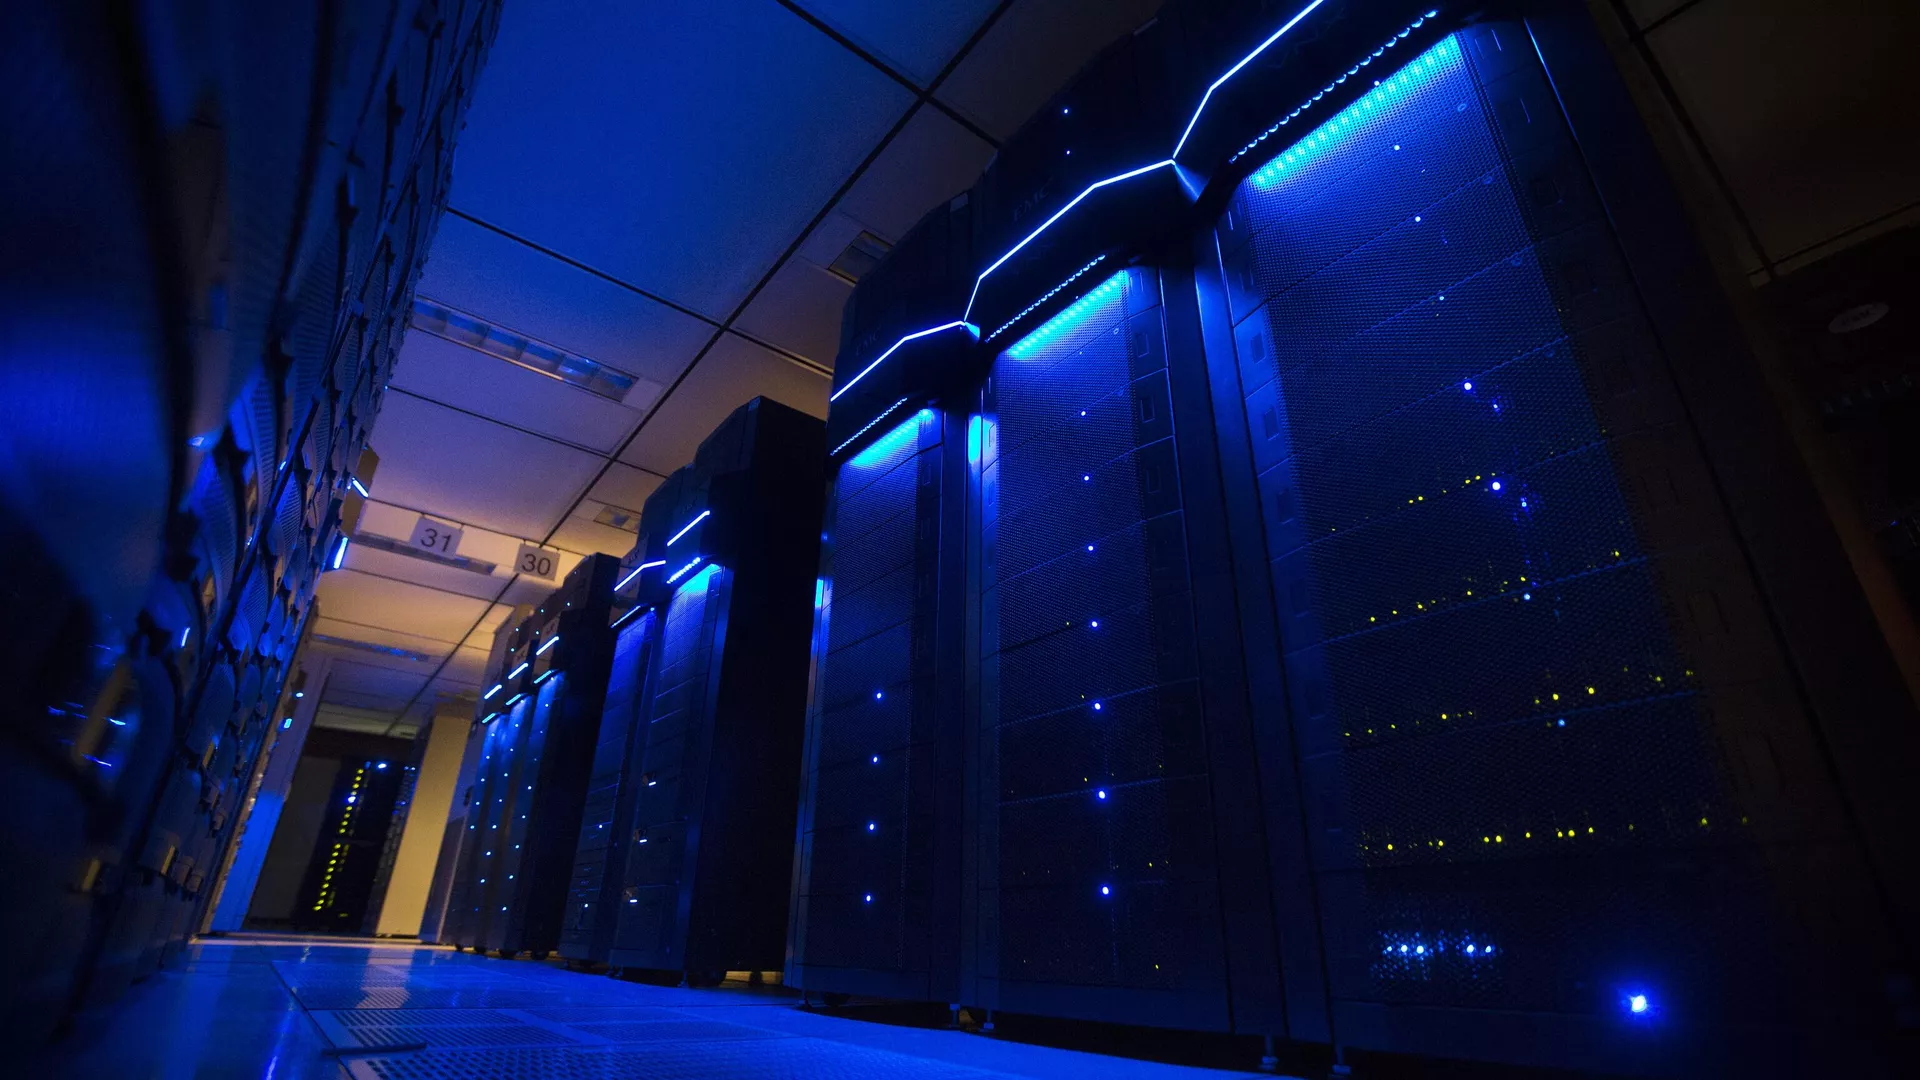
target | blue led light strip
[
  {"x": 677, "y": 573},
  {"x": 631, "y": 612},
  {"x": 339, "y": 555},
  {"x": 543, "y": 676},
  {"x": 514, "y": 700},
  {"x": 515, "y": 673},
  {"x": 1235, "y": 70},
  {"x": 1051, "y": 293},
  {"x": 1057, "y": 215},
  {"x": 1368, "y": 100},
  {"x": 960, "y": 322},
  {"x": 551, "y": 642},
  {"x": 868, "y": 426},
  {"x": 489, "y": 694},
  {"x": 359, "y": 487},
  {"x": 688, "y": 527},
  {"x": 636, "y": 573}
]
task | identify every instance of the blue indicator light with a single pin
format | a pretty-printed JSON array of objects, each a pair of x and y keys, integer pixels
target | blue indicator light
[
  {"x": 299, "y": 693},
  {"x": 1095, "y": 624},
  {"x": 1526, "y": 596},
  {"x": 960, "y": 323},
  {"x": 188, "y": 630},
  {"x": 869, "y": 898},
  {"x": 1562, "y": 722},
  {"x": 542, "y": 677},
  {"x": 339, "y": 554},
  {"x": 1469, "y": 948},
  {"x": 1466, "y": 386},
  {"x": 1496, "y": 485},
  {"x": 974, "y": 432},
  {"x": 877, "y": 695},
  {"x": 116, "y": 723},
  {"x": 819, "y": 593},
  {"x": 688, "y": 527},
  {"x": 359, "y": 487},
  {"x": 872, "y": 826},
  {"x": 379, "y": 764},
  {"x": 1101, "y": 794},
  {"x": 287, "y": 723},
  {"x": 550, "y": 643},
  {"x": 515, "y": 673},
  {"x": 1106, "y": 890},
  {"x": 1096, "y": 706},
  {"x": 876, "y": 759},
  {"x": 1637, "y": 1004},
  {"x": 678, "y": 574}
]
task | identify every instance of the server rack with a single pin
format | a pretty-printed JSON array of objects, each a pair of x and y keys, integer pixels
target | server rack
[
  {"x": 173, "y": 522},
  {"x": 1455, "y": 688},
  {"x": 536, "y": 757},
  {"x": 344, "y": 875},
  {"x": 600, "y": 858},
  {"x": 724, "y": 566}
]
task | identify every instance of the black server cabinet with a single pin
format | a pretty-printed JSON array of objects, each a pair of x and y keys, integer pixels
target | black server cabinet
[
  {"x": 876, "y": 890},
  {"x": 340, "y": 889},
  {"x": 536, "y": 760},
  {"x": 724, "y": 567},
  {"x": 1565, "y": 802},
  {"x": 600, "y": 858}
]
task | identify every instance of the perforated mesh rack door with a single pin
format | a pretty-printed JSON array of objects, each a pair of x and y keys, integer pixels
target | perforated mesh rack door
[
  {"x": 652, "y": 933},
  {"x": 863, "y": 915},
  {"x": 495, "y": 799},
  {"x": 1548, "y": 745},
  {"x": 600, "y": 857},
  {"x": 1096, "y": 876},
  {"x": 513, "y": 859}
]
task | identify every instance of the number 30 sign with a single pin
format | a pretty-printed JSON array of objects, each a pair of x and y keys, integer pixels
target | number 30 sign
[
  {"x": 435, "y": 536},
  {"x": 535, "y": 561}
]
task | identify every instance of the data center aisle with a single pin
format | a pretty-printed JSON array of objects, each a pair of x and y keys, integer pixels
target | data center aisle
[{"x": 270, "y": 1007}]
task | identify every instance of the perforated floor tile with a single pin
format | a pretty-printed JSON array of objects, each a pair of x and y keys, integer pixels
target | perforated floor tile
[
  {"x": 450, "y": 1017},
  {"x": 786, "y": 1059},
  {"x": 426, "y": 998},
  {"x": 605, "y": 1013},
  {"x": 647, "y": 1031}
]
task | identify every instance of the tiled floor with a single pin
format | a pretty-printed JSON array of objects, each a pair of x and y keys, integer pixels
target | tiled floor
[{"x": 271, "y": 1008}]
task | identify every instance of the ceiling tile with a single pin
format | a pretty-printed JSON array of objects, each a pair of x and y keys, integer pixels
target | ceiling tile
[
  {"x": 392, "y": 566},
  {"x": 624, "y": 486},
  {"x": 799, "y": 311},
  {"x": 412, "y": 609},
  {"x": 483, "y": 273},
  {"x": 1808, "y": 109},
  {"x": 915, "y": 39},
  {"x": 349, "y": 630},
  {"x": 679, "y": 147},
  {"x": 473, "y": 470},
  {"x": 1031, "y": 52},
  {"x": 437, "y": 369},
  {"x": 733, "y": 372},
  {"x": 929, "y": 162}
]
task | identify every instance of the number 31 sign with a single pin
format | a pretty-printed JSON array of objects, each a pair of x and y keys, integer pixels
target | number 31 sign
[{"x": 436, "y": 536}]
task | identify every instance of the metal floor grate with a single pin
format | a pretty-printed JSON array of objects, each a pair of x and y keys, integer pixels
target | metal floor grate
[{"x": 788, "y": 1059}]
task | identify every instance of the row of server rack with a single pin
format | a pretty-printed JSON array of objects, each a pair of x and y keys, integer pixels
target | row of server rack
[
  {"x": 1309, "y": 553},
  {"x": 634, "y": 757},
  {"x": 216, "y": 214},
  {"x": 1299, "y": 549}
]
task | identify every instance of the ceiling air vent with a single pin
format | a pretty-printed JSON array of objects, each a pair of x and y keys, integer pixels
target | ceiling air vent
[
  {"x": 619, "y": 517},
  {"x": 861, "y": 256},
  {"x": 368, "y": 646},
  {"x": 552, "y": 361}
]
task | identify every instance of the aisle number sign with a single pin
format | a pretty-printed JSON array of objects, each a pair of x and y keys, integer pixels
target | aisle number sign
[
  {"x": 436, "y": 536},
  {"x": 536, "y": 561}
]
